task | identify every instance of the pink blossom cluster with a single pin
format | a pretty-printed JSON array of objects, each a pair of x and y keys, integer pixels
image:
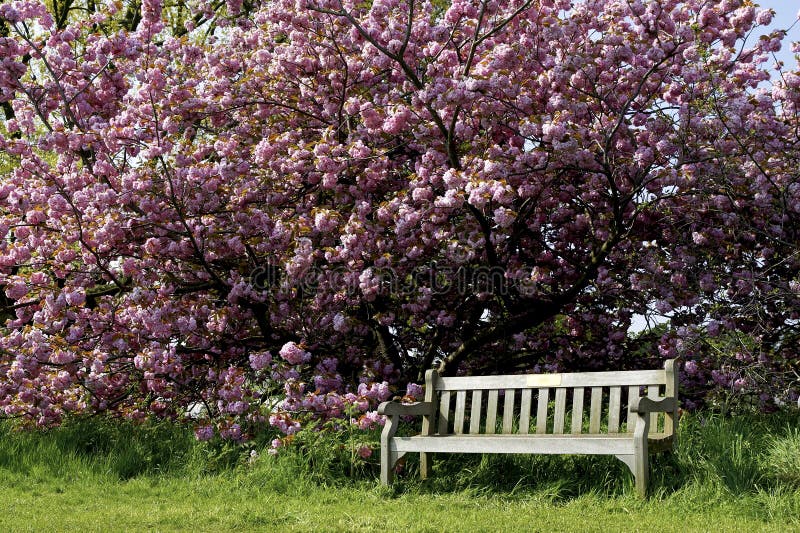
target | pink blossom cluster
[{"x": 294, "y": 354}]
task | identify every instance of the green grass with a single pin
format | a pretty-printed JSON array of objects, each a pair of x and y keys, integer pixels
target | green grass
[{"x": 734, "y": 474}]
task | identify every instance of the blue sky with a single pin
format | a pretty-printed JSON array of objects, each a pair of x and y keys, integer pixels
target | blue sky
[{"x": 785, "y": 15}]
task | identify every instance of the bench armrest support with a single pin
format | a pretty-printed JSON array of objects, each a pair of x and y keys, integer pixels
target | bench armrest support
[
  {"x": 649, "y": 405},
  {"x": 393, "y": 411}
]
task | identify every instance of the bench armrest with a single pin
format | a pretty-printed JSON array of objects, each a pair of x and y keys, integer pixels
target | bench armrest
[
  {"x": 649, "y": 405},
  {"x": 395, "y": 408}
]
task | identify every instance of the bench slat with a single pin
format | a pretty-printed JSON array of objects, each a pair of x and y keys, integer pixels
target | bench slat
[
  {"x": 614, "y": 401},
  {"x": 444, "y": 413},
  {"x": 508, "y": 412},
  {"x": 652, "y": 393},
  {"x": 532, "y": 381},
  {"x": 595, "y": 410},
  {"x": 475, "y": 412},
  {"x": 670, "y": 391},
  {"x": 577, "y": 411},
  {"x": 633, "y": 392},
  {"x": 525, "y": 411},
  {"x": 561, "y": 407},
  {"x": 541, "y": 411},
  {"x": 491, "y": 412},
  {"x": 461, "y": 403}
]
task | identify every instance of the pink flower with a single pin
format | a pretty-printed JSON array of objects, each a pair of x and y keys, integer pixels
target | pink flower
[
  {"x": 699, "y": 239},
  {"x": 16, "y": 290},
  {"x": 77, "y": 297},
  {"x": 234, "y": 7},
  {"x": 204, "y": 433},
  {"x": 414, "y": 391},
  {"x": 325, "y": 221},
  {"x": 151, "y": 10},
  {"x": 764, "y": 17},
  {"x": 364, "y": 452},
  {"x": 397, "y": 122},
  {"x": 260, "y": 360},
  {"x": 504, "y": 217},
  {"x": 369, "y": 420},
  {"x": 339, "y": 322},
  {"x": 231, "y": 431},
  {"x": 293, "y": 354}
]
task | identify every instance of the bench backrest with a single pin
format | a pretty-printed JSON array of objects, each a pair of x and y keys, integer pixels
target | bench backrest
[{"x": 547, "y": 403}]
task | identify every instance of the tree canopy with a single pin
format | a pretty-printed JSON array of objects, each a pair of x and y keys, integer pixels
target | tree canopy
[{"x": 225, "y": 203}]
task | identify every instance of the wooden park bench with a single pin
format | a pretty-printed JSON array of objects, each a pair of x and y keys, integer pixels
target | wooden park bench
[{"x": 524, "y": 423}]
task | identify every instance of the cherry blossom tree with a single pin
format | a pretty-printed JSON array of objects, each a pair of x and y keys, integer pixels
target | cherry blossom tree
[{"x": 229, "y": 204}]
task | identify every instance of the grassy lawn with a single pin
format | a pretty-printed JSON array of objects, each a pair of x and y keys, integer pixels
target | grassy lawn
[
  {"x": 738, "y": 474},
  {"x": 216, "y": 504}
]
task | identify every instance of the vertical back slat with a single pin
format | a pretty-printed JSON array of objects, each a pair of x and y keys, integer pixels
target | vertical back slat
[
  {"x": 431, "y": 377},
  {"x": 633, "y": 392},
  {"x": 525, "y": 412},
  {"x": 577, "y": 410},
  {"x": 595, "y": 410},
  {"x": 614, "y": 405},
  {"x": 671, "y": 391},
  {"x": 508, "y": 411},
  {"x": 541, "y": 411},
  {"x": 444, "y": 413},
  {"x": 430, "y": 394},
  {"x": 461, "y": 404},
  {"x": 475, "y": 412},
  {"x": 561, "y": 405},
  {"x": 652, "y": 393},
  {"x": 491, "y": 412}
]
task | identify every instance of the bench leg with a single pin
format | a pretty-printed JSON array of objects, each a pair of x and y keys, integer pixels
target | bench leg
[
  {"x": 388, "y": 460},
  {"x": 424, "y": 465},
  {"x": 387, "y": 465},
  {"x": 639, "y": 467},
  {"x": 641, "y": 473},
  {"x": 388, "y": 456}
]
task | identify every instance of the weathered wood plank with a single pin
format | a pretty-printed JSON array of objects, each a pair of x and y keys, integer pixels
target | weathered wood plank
[
  {"x": 541, "y": 411},
  {"x": 508, "y": 412},
  {"x": 491, "y": 412},
  {"x": 596, "y": 410},
  {"x": 652, "y": 393},
  {"x": 633, "y": 392},
  {"x": 444, "y": 413},
  {"x": 475, "y": 412},
  {"x": 545, "y": 444},
  {"x": 427, "y": 421},
  {"x": 671, "y": 391},
  {"x": 430, "y": 394},
  {"x": 578, "y": 379},
  {"x": 577, "y": 411},
  {"x": 461, "y": 403},
  {"x": 525, "y": 411},
  {"x": 614, "y": 406},
  {"x": 561, "y": 407}
]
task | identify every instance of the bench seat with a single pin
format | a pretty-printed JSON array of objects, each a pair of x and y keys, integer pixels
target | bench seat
[{"x": 601, "y": 444}]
